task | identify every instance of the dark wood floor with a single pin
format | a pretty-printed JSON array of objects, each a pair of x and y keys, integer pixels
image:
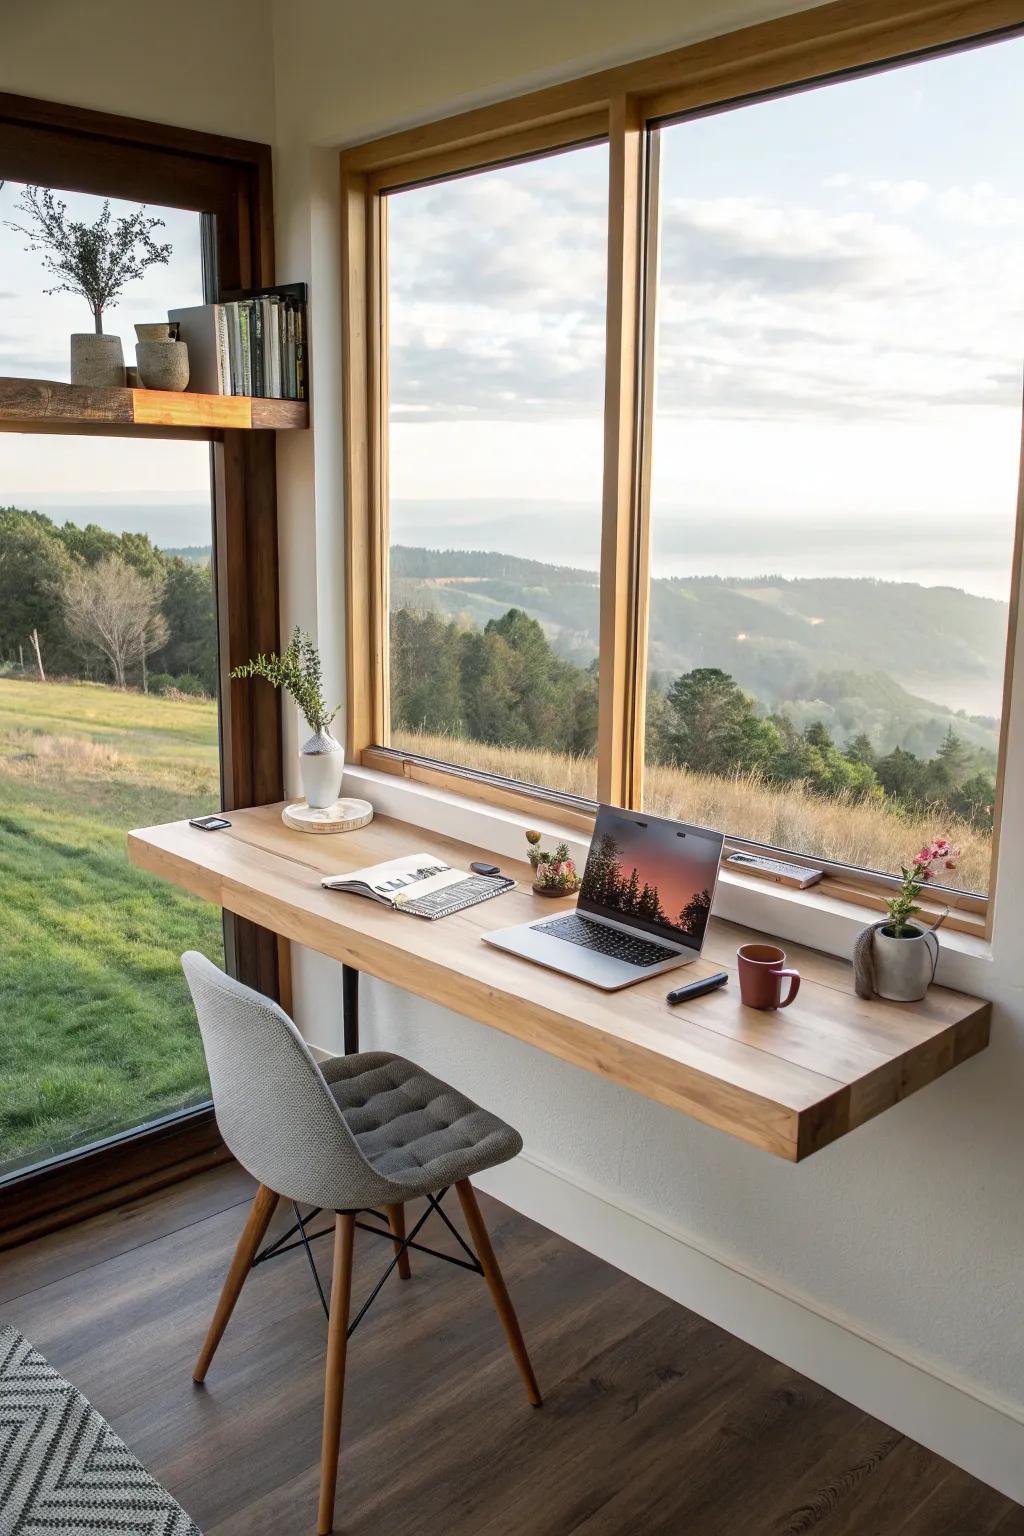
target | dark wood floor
[{"x": 655, "y": 1421}]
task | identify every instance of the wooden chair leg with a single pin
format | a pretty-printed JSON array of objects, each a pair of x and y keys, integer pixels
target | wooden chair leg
[
  {"x": 496, "y": 1286},
  {"x": 263, "y": 1207},
  {"x": 396, "y": 1221},
  {"x": 334, "y": 1375}
]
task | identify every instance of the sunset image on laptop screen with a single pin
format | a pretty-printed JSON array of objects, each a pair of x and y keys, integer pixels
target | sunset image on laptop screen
[{"x": 653, "y": 873}]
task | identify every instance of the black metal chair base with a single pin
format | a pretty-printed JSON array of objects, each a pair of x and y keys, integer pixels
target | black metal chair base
[{"x": 403, "y": 1245}]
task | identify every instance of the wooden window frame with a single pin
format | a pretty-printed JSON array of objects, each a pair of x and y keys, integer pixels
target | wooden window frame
[
  {"x": 619, "y": 106},
  {"x": 78, "y": 150}
]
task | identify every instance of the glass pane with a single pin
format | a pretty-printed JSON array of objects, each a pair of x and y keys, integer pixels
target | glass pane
[
  {"x": 496, "y": 325},
  {"x": 97, "y": 1033},
  {"x": 836, "y": 443}
]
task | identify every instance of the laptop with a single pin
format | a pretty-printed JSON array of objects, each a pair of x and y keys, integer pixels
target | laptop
[{"x": 643, "y": 907}]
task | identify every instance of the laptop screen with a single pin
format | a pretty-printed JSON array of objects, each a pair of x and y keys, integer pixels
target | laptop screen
[{"x": 653, "y": 874}]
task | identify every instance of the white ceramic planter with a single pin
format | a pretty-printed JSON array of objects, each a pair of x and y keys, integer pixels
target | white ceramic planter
[
  {"x": 322, "y": 767},
  {"x": 97, "y": 360},
  {"x": 905, "y": 968}
]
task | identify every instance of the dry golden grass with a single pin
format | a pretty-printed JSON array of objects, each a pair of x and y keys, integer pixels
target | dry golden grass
[
  {"x": 29, "y": 754},
  {"x": 789, "y": 816}
]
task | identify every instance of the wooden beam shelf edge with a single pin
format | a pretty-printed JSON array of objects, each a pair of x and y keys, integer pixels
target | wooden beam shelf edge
[{"x": 45, "y": 405}]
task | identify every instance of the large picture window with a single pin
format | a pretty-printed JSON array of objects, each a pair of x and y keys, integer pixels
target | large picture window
[
  {"x": 496, "y": 299},
  {"x": 835, "y": 458},
  {"x": 792, "y": 272}
]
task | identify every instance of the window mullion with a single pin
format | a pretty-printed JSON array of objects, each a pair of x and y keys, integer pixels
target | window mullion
[{"x": 623, "y": 543}]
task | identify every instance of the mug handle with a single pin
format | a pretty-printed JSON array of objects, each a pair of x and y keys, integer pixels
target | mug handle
[
  {"x": 931, "y": 934},
  {"x": 794, "y": 986}
]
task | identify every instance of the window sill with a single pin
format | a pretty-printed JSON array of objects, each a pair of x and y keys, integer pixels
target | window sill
[{"x": 810, "y": 917}]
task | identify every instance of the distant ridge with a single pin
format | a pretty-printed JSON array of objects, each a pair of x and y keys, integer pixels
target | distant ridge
[{"x": 196, "y": 554}]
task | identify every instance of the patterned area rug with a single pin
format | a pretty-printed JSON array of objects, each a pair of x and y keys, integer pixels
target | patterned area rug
[{"x": 63, "y": 1471}]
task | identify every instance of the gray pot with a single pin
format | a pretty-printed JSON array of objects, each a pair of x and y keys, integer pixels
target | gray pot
[
  {"x": 322, "y": 767},
  {"x": 97, "y": 360},
  {"x": 905, "y": 968},
  {"x": 162, "y": 364}
]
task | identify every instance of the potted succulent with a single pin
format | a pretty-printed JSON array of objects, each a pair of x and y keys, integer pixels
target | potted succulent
[
  {"x": 554, "y": 873},
  {"x": 897, "y": 958},
  {"x": 95, "y": 261},
  {"x": 299, "y": 672}
]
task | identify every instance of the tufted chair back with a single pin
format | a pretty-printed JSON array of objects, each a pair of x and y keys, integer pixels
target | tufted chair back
[{"x": 273, "y": 1106}]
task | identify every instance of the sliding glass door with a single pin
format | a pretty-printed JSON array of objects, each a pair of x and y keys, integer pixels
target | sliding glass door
[{"x": 108, "y": 720}]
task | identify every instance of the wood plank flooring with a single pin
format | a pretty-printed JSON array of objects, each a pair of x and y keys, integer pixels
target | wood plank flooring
[{"x": 655, "y": 1421}]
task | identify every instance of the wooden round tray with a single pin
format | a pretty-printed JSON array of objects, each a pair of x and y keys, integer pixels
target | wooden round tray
[{"x": 342, "y": 816}]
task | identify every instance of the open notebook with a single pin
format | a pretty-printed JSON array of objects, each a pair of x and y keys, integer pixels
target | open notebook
[{"x": 420, "y": 884}]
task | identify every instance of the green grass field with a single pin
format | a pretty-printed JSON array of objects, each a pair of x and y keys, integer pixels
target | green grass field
[{"x": 97, "y": 1032}]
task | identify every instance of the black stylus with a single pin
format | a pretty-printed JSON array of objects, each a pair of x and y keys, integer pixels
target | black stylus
[{"x": 698, "y": 988}]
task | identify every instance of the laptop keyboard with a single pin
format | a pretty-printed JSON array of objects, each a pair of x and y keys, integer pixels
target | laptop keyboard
[{"x": 575, "y": 929}]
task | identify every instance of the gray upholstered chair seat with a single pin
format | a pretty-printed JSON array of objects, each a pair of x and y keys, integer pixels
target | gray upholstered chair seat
[{"x": 414, "y": 1129}]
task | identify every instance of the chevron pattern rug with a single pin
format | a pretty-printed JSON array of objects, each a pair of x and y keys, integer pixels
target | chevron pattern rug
[{"x": 63, "y": 1471}]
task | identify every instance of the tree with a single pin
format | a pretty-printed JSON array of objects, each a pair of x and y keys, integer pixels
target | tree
[
  {"x": 712, "y": 726},
  {"x": 95, "y": 261},
  {"x": 116, "y": 610},
  {"x": 694, "y": 915},
  {"x": 860, "y": 750},
  {"x": 33, "y": 570}
]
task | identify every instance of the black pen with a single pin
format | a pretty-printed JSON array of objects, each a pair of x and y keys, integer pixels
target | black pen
[{"x": 698, "y": 988}]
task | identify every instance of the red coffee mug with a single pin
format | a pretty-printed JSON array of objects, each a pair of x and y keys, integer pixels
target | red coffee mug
[{"x": 762, "y": 967}]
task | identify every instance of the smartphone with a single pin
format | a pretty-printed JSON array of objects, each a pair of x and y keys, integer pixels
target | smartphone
[{"x": 209, "y": 823}]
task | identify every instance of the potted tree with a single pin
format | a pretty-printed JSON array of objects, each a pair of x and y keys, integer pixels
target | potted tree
[
  {"x": 900, "y": 955},
  {"x": 298, "y": 670},
  {"x": 95, "y": 261}
]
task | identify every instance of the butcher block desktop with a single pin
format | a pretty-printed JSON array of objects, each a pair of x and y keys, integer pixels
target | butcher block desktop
[{"x": 789, "y": 1083}]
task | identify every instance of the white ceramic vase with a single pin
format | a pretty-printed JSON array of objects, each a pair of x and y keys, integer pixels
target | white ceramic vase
[
  {"x": 322, "y": 767},
  {"x": 97, "y": 360},
  {"x": 905, "y": 967}
]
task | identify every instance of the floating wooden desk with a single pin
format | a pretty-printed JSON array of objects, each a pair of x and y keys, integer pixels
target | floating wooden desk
[{"x": 789, "y": 1082}]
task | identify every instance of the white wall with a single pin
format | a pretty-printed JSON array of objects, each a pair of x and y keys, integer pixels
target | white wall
[
  {"x": 888, "y": 1264},
  {"x": 202, "y": 64}
]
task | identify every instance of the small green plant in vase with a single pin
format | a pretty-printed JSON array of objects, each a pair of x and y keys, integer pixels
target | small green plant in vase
[
  {"x": 299, "y": 671},
  {"x": 897, "y": 958},
  {"x": 554, "y": 873}
]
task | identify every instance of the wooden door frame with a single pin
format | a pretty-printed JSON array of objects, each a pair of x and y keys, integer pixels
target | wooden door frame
[{"x": 74, "y": 149}]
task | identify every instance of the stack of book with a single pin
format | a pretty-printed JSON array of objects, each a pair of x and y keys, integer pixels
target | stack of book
[{"x": 254, "y": 344}]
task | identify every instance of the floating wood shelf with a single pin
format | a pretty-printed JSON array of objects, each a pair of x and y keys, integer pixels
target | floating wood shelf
[
  {"x": 44, "y": 405},
  {"x": 789, "y": 1082}
]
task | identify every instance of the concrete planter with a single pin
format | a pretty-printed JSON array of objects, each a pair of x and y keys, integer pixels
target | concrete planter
[
  {"x": 322, "y": 767},
  {"x": 905, "y": 967},
  {"x": 162, "y": 364},
  {"x": 97, "y": 360}
]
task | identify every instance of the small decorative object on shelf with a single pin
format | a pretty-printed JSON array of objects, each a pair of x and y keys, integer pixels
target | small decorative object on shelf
[
  {"x": 298, "y": 670},
  {"x": 554, "y": 873},
  {"x": 897, "y": 957},
  {"x": 343, "y": 816},
  {"x": 162, "y": 358},
  {"x": 95, "y": 261}
]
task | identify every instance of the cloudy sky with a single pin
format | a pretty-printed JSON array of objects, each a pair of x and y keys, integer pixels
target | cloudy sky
[
  {"x": 840, "y": 331},
  {"x": 160, "y": 487}
]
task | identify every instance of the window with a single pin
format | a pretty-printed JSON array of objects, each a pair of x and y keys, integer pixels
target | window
[
  {"x": 86, "y": 754},
  {"x": 496, "y": 293},
  {"x": 809, "y": 448},
  {"x": 836, "y": 449}
]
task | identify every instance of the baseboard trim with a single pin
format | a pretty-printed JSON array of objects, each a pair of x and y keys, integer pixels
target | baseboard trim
[{"x": 956, "y": 1418}]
